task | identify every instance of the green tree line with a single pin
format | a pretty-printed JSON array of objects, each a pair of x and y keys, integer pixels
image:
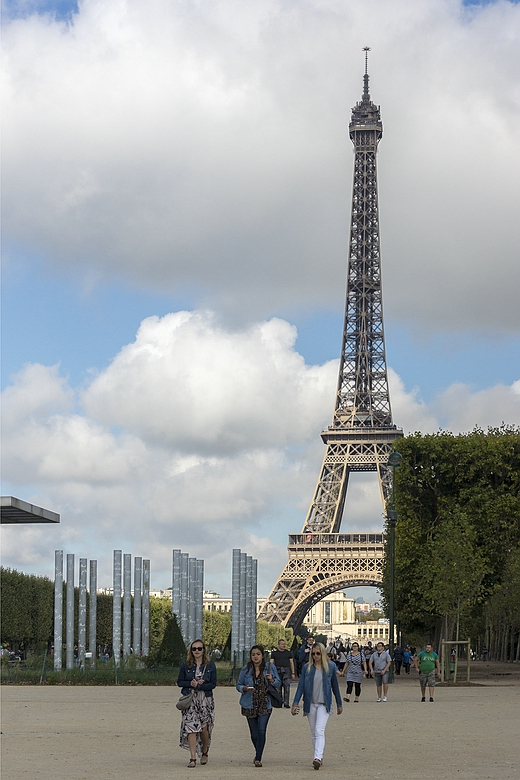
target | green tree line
[
  {"x": 457, "y": 539},
  {"x": 27, "y": 620}
]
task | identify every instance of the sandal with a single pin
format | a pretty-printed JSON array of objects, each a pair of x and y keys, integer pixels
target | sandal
[
  {"x": 257, "y": 763},
  {"x": 204, "y": 758},
  {"x": 193, "y": 763}
]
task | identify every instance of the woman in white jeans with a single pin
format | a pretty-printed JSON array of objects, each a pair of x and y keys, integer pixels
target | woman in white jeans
[{"x": 318, "y": 681}]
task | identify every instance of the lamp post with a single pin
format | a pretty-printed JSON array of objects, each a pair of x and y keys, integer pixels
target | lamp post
[{"x": 394, "y": 461}]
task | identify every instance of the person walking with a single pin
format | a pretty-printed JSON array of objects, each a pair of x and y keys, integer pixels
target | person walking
[
  {"x": 427, "y": 664},
  {"x": 197, "y": 674},
  {"x": 255, "y": 700},
  {"x": 284, "y": 663},
  {"x": 368, "y": 650},
  {"x": 380, "y": 662},
  {"x": 318, "y": 681},
  {"x": 355, "y": 669},
  {"x": 304, "y": 653},
  {"x": 407, "y": 659},
  {"x": 398, "y": 659}
]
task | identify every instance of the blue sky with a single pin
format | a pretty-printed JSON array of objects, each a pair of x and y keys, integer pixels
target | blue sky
[
  {"x": 195, "y": 157},
  {"x": 49, "y": 318}
]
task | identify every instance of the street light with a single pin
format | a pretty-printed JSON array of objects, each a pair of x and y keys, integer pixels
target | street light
[{"x": 394, "y": 461}]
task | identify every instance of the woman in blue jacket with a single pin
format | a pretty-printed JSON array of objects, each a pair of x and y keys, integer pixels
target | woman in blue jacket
[
  {"x": 197, "y": 674},
  {"x": 255, "y": 700},
  {"x": 318, "y": 681}
]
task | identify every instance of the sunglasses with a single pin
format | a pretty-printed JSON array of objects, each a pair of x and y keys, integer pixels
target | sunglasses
[{"x": 197, "y": 649}]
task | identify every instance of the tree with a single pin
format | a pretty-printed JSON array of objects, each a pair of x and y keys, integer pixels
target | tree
[
  {"x": 172, "y": 651},
  {"x": 458, "y": 505}
]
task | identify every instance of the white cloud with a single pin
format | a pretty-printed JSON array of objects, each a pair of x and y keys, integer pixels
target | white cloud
[
  {"x": 190, "y": 384},
  {"x": 205, "y": 144},
  {"x": 462, "y": 409},
  {"x": 202, "y": 482}
]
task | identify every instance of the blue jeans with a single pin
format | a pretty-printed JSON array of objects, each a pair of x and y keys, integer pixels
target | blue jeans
[{"x": 258, "y": 730}]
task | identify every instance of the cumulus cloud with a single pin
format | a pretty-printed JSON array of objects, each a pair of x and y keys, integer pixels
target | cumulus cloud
[
  {"x": 204, "y": 386},
  {"x": 205, "y": 145},
  {"x": 196, "y": 436}
]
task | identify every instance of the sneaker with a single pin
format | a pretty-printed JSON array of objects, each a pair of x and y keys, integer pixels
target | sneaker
[
  {"x": 423, "y": 699},
  {"x": 385, "y": 698},
  {"x": 316, "y": 763},
  {"x": 431, "y": 698},
  {"x": 378, "y": 699},
  {"x": 287, "y": 706}
]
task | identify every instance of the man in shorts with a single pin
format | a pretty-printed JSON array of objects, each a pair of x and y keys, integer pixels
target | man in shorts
[
  {"x": 427, "y": 664},
  {"x": 380, "y": 662}
]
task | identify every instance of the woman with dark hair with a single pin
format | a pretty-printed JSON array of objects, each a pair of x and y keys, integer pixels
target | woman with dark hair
[
  {"x": 355, "y": 668},
  {"x": 197, "y": 674},
  {"x": 255, "y": 700},
  {"x": 318, "y": 681}
]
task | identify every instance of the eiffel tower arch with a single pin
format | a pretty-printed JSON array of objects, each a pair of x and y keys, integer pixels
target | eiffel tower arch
[{"x": 321, "y": 559}]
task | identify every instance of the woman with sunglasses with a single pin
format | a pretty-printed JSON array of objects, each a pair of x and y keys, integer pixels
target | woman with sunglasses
[
  {"x": 355, "y": 668},
  {"x": 197, "y": 674},
  {"x": 255, "y": 700},
  {"x": 318, "y": 681}
]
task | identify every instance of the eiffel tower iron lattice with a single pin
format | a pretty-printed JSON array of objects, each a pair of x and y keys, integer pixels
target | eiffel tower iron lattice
[{"x": 360, "y": 438}]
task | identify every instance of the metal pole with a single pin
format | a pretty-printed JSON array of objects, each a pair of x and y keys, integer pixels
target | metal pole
[
  {"x": 92, "y": 628},
  {"x": 82, "y": 612},
  {"x": 249, "y": 603},
  {"x": 199, "y": 600},
  {"x": 146, "y": 608},
  {"x": 391, "y": 523},
  {"x": 116, "y": 608},
  {"x": 255, "y": 598},
  {"x": 235, "y": 604},
  {"x": 176, "y": 583},
  {"x": 138, "y": 582},
  {"x": 184, "y": 596},
  {"x": 127, "y": 604},
  {"x": 394, "y": 460},
  {"x": 58, "y": 609},
  {"x": 69, "y": 649},
  {"x": 242, "y": 613},
  {"x": 192, "y": 603}
]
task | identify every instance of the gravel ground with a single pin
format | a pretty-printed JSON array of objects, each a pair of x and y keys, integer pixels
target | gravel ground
[{"x": 114, "y": 733}]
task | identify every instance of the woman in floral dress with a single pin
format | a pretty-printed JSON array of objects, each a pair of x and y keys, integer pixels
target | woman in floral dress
[{"x": 199, "y": 674}]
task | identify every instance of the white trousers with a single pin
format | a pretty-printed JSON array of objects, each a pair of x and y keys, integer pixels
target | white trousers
[{"x": 318, "y": 717}]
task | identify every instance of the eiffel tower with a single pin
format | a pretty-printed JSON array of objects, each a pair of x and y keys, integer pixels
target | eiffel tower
[{"x": 360, "y": 438}]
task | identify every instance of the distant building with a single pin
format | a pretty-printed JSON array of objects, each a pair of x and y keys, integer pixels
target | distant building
[
  {"x": 214, "y": 602},
  {"x": 335, "y": 616},
  {"x": 364, "y": 608}
]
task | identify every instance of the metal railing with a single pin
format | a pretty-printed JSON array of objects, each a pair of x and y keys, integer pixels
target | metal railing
[{"x": 314, "y": 539}]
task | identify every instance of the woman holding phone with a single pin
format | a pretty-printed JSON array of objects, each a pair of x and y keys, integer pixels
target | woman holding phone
[{"x": 255, "y": 701}]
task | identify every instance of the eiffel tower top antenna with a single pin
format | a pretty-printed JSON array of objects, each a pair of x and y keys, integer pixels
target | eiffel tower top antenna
[{"x": 366, "y": 94}]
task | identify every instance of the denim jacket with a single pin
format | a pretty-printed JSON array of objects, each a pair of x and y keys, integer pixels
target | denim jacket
[
  {"x": 246, "y": 678},
  {"x": 330, "y": 686},
  {"x": 186, "y": 675}
]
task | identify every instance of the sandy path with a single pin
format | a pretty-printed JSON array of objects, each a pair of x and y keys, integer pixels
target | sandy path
[{"x": 116, "y": 733}]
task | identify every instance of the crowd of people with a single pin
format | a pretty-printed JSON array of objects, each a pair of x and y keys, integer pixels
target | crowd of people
[{"x": 264, "y": 684}]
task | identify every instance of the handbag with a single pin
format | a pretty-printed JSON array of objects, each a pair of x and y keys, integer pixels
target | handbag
[
  {"x": 275, "y": 695},
  {"x": 185, "y": 701}
]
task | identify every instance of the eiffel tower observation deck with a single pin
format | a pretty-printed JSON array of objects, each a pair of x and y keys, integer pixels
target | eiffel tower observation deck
[{"x": 321, "y": 559}]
